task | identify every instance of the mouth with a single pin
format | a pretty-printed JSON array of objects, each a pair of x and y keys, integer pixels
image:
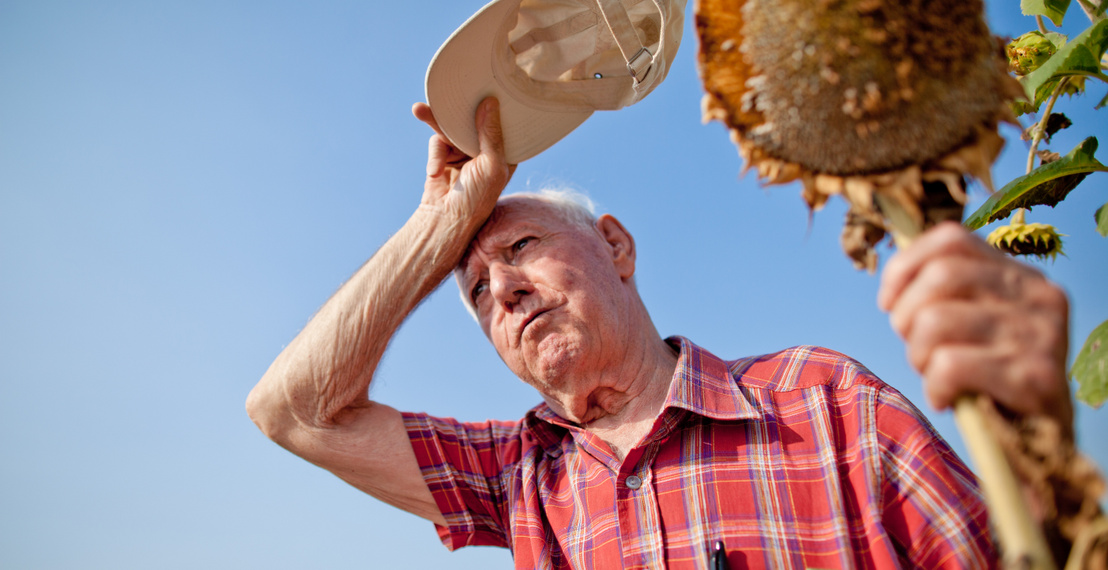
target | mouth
[{"x": 530, "y": 319}]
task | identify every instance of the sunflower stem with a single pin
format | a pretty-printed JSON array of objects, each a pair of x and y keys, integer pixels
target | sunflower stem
[
  {"x": 1040, "y": 129},
  {"x": 1018, "y": 533},
  {"x": 1020, "y": 538},
  {"x": 1039, "y": 132}
]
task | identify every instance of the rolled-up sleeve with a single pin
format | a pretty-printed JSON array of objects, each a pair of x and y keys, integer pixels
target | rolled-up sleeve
[{"x": 464, "y": 465}]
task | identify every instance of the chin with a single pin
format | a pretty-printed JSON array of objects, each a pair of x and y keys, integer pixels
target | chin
[{"x": 555, "y": 359}]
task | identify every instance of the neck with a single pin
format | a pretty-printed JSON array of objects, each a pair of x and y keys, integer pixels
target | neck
[
  {"x": 623, "y": 412},
  {"x": 642, "y": 395}
]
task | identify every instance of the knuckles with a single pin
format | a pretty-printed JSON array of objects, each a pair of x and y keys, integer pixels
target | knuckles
[
  {"x": 498, "y": 175},
  {"x": 940, "y": 385},
  {"x": 1033, "y": 383},
  {"x": 978, "y": 320},
  {"x": 1051, "y": 298},
  {"x": 926, "y": 334}
]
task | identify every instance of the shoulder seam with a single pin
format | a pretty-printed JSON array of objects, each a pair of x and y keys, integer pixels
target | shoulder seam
[{"x": 802, "y": 367}]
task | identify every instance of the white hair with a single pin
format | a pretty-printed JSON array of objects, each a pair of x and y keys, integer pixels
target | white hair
[{"x": 572, "y": 205}]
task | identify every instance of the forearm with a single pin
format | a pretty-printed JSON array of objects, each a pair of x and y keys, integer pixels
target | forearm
[{"x": 328, "y": 367}]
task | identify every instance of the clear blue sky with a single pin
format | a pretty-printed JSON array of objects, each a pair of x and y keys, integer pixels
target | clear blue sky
[{"x": 182, "y": 184}]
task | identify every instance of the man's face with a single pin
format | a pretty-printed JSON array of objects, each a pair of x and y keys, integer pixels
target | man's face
[{"x": 551, "y": 295}]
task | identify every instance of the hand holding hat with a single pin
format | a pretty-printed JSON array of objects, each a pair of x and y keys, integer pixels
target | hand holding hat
[{"x": 466, "y": 186}]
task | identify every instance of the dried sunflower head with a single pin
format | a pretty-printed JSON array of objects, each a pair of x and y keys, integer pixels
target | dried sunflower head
[
  {"x": 1038, "y": 240},
  {"x": 869, "y": 99}
]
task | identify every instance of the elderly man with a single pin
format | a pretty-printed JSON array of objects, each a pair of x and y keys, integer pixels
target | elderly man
[{"x": 647, "y": 451}]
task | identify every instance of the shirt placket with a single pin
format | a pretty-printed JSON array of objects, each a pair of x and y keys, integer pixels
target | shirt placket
[
  {"x": 640, "y": 523},
  {"x": 597, "y": 544}
]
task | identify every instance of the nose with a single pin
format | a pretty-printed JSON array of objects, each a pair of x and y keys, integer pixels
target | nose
[{"x": 508, "y": 285}]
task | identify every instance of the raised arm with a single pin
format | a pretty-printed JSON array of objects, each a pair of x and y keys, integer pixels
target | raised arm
[{"x": 314, "y": 399}]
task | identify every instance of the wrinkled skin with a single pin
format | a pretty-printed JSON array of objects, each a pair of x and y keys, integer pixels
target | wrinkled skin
[
  {"x": 557, "y": 301},
  {"x": 976, "y": 321}
]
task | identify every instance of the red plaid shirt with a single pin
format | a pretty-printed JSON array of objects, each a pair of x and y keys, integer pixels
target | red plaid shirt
[{"x": 800, "y": 459}]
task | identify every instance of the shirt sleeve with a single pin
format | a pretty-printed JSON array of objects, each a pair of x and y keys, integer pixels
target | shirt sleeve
[
  {"x": 931, "y": 505},
  {"x": 463, "y": 465}
]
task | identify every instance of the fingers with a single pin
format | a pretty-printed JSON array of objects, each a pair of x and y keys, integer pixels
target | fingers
[
  {"x": 983, "y": 347},
  {"x": 949, "y": 323},
  {"x": 950, "y": 278},
  {"x": 441, "y": 153},
  {"x": 477, "y": 180},
  {"x": 491, "y": 171},
  {"x": 437, "y": 155},
  {"x": 422, "y": 111},
  {"x": 945, "y": 239},
  {"x": 977, "y": 321},
  {"x": 948, "y": 263},
  {"x": 1027, "y": 386}
]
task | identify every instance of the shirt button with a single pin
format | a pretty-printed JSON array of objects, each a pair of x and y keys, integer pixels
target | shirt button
[{"x": 633, "y": 482}]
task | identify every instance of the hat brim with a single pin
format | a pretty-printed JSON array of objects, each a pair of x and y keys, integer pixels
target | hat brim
[{"x": 462, "y": 74}]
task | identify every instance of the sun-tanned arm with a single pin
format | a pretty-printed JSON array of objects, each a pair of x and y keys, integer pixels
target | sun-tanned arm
[{"x": 314, "y": 398}]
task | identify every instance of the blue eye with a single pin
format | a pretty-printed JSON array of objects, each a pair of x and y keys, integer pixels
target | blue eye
[
  {"x": 478, "y": 289},
  {"x": 520, "y": 244}
]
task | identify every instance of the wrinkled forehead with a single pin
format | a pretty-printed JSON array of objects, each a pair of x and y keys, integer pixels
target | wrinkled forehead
[{"x": 509, "y": 216}]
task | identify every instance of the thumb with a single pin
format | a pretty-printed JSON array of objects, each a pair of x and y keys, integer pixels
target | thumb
[{"x": 490, "y": 135}]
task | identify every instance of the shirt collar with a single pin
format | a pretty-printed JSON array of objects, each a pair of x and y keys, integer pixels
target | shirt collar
[{"x": 702, "y": 384}]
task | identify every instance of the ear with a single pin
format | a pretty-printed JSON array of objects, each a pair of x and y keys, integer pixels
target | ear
[{"x": 620, "y": 243}]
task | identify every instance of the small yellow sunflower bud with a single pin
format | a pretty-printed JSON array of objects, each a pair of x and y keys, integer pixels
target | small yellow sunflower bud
[{"x": 1039, "y": 240}]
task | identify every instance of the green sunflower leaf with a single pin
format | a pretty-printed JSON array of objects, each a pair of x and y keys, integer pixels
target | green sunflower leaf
[
  {"x": 1053, "y": 9},
  {"x": 1046, "y": 185},
  {"x": 1090, "y": 368}
]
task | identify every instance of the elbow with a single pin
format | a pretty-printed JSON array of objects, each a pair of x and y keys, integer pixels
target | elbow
[
  {"x": 255, "y": 409},
  {"x": 267, "y": 412}
]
